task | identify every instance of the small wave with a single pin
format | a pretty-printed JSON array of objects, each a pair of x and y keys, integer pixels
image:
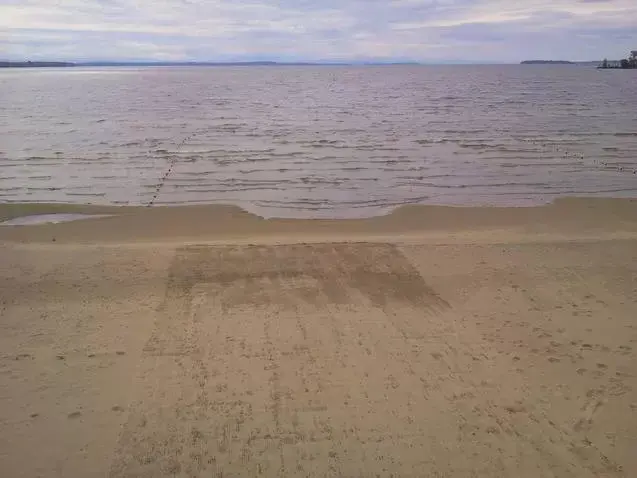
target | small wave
[
  {"x": 434, "y": 141},
  {"x": 474, "y": 146},
  {"x": 506, "y": 149},
  {"x": 230, "y": 190},
  {"x": 328, "y": 141},
  {"x": 43, "y": 189},
  {"x": 434, "y": 185},
  {"x": 291, "y": 154},
  {"x": 520, "y": 165},
  {"x": 374, "y": 148},
  {"x": 68, "y": 193},
  {"x": 381, "y": 202},
  {"x": 248, "y": 160}
]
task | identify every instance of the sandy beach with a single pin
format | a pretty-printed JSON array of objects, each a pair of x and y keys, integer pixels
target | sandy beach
[{"x": 435, "y": 341}]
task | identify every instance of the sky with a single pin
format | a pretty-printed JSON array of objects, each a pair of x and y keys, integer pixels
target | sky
[{"x": 490, "y": 31}]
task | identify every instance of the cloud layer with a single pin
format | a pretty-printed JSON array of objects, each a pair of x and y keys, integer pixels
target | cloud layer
[{"x": 422, "y": 30}]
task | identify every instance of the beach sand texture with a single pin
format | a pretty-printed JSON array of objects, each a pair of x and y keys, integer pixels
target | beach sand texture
[{"x": 431, "y": 342}]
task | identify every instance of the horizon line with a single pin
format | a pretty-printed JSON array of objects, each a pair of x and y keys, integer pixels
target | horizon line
[
  {"x": 362, "y": 62},
  {"x": 74, "y": 63}
]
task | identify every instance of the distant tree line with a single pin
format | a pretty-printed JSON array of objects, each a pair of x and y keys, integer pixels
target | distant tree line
[{"x": 34, "y": 64}]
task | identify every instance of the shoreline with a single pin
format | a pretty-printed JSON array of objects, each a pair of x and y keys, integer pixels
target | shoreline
[{"x": 583, "y": 216}]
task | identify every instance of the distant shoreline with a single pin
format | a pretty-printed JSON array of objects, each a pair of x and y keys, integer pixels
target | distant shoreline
[
  {"x": 558, "y": 62},
  {"x": 61, "y": 64},
  {"x": 546, "y": 62},
  {"x": 35, "y": 64}
]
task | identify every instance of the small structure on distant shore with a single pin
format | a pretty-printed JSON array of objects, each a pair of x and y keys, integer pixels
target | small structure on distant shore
[{"x": 629, "y": 63}]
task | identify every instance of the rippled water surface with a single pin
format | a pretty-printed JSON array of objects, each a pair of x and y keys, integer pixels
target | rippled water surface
[{"x": 317, "y": 141}]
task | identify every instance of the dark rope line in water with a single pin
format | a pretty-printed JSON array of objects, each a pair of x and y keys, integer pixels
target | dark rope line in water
[
  {"x": 545, "y": 145},
  {"x": 171, "y": 166}
]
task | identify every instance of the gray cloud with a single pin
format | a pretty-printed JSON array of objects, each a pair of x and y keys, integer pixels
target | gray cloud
[{"x": 425, "y": 30}]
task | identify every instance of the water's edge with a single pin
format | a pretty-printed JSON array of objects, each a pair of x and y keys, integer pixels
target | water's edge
[{"x": 13, "y": 211}]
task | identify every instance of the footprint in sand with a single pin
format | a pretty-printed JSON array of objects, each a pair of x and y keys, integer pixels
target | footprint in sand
[{"x": 588, "y": 411}]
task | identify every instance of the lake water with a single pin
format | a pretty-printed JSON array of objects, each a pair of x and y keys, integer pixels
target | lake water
[{"x": 317, "y": 141}]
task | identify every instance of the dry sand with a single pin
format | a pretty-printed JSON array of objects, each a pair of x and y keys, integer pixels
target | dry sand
[{"x": 434, "y": 342}]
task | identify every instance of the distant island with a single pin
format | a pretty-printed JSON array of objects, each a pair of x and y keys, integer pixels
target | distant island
[
  {"x": 560, "y": 62},
  {"x": 629, "y": 63},
  {"x": 547, "y": 62},
  {"x": 176, "y": 63}
]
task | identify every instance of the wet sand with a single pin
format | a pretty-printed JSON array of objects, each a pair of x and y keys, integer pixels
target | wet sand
[{"x": 435, "y": 341}]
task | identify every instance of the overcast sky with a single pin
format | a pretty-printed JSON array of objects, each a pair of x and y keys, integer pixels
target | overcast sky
[{"x": 422, "y": 30}]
